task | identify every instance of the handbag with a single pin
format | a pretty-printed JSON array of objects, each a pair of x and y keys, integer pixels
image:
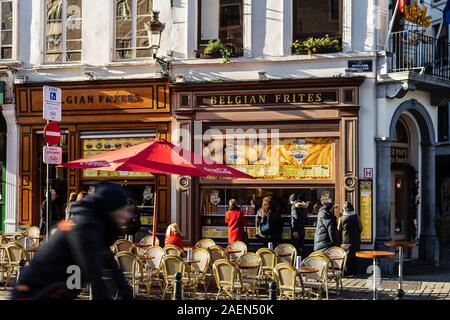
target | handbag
[{"x": 265, "y": 227}]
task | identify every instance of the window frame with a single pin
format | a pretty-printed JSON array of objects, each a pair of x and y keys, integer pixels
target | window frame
[
  {"x": 63, "y": 36},
  {"x": 134, "y": 22},
  {"x": 12, "y": 30}
]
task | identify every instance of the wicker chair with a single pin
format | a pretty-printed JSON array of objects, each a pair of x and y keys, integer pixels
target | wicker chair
[
  {"x": 251, "y": 275},
  {"x": 238, "y": 246},
  {"x": 171, "y": 265},
  {"x": 15, "y": 257},
  {"x": 123, "y": 245},
  {"x": 199, "y": 268},
  {"x": 173, "y": 250},
  {"x": 230, "y": 284},
  {"x": 205, "y": 243},
  {"x": 286, "y": 253},
  {"x": 132, "y": 268},
  {"x": 338, "y": 257},
  {"x": 152, "y": 267},
  {"x": 34, "y": 233},
  {"x": 268, "y": 262},
  {"x": 289, "y": 283},
  {"x": 318, "y": 280}
]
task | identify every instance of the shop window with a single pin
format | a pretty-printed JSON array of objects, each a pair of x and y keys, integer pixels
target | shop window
[
  {"x": 6, "y": 16},
  {"x": 223, "y": 20},
  {"x": 317, "y": 19},
  {"x": 131, "y": 38},
  {"x": 214, "y": 204},
  {"x": 63, "y": 41},
  {"x": 443, "y": 123}
]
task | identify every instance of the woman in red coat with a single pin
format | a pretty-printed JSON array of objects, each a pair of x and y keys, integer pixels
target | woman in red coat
[
  {"x": 173, "y": 236},
  {"x": 236, "y": 222}
]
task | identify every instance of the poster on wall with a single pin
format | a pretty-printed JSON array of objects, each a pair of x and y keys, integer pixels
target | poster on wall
[
  {"x": 93, "y": 147},
  {"x": 366, "y": 210},
  {"x": 290, "y": 158}
]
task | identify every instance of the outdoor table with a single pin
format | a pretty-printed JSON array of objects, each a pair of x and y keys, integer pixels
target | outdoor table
[
  {"x": 307, "y": 270},
  {"x": 401, "y": 245},
  {"x": 374, "y": 255}
]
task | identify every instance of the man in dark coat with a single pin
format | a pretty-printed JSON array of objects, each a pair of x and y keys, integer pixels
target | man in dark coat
[
  {"x": 53, "y": 213},
  {"x": 326, "y": 229},
  {"x": 83, "y": 243},
  {"x": 350, "y": 228},
  {"x": 299, "y": 218}
]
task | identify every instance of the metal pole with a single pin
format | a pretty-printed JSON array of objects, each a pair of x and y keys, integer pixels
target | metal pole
[
  {"x": 47, "y": 202},
  {"x": 400, "y": 292},
  {"x": 391, "y": 24},
  {"x": 375, "y": 279},
  {"x": 272, "y": 291}
]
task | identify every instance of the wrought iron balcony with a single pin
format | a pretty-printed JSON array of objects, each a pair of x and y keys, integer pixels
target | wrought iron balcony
[{"x": 412, "y": 51}]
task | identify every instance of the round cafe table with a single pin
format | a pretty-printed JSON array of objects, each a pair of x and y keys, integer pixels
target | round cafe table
[
  {"x": 374, "y": 255},
  {"x": 400, "y": 245}
]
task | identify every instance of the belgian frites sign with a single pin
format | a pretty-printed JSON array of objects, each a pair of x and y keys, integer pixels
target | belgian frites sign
[{"x": 303, "y": 97}]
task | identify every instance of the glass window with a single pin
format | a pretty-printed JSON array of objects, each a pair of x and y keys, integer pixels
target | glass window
[
  {"x": 6, "y": 15},
  {"x": 317, "y": 19},
  {"x": 63, "y": 31},
  {"x": 131, "y": 37},
  {"x": 222, "y": 19},
  {"x": 443, "y": 123}
]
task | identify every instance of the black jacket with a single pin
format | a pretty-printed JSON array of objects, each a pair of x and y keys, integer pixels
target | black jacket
[
  {"x": 53, "y": 215},
  {"x": 85, "y": 243},
  {"x": 299, "y": 218},
  {"x": 350, "y": 229},
  {"x": 326, "y": 230}
]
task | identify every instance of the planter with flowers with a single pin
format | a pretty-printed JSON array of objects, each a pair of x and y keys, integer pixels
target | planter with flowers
[{"x": 312, "y": 46}]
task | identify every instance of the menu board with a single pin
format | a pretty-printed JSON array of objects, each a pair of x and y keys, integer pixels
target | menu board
[
  {"x": 284, "y": 158},
  {"x": 94, "y": 147},
  {"x": 366, "y": 210}
]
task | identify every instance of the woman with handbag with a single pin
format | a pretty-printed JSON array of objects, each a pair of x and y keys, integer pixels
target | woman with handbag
[
  {"x": 268, "y": 223},
  {"x": 235, "y": 219}
]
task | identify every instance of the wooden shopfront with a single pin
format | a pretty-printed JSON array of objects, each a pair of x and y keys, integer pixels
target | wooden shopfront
[
  {"x": 315, "y": 125},
  {"x": 97, "y": 117}
]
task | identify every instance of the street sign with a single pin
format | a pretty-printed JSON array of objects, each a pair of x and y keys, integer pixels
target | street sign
[
  {"x": 368, "y": 173},
  {"x": 52, "y": 155},
  {"x": 52, "y": 103},
  {"x": 52, "y": 133}
]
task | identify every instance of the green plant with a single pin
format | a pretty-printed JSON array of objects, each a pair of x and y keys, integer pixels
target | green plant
[
  {"x": 217, "y": 48},
  {"x": 316, "y": 45},
  {"x": 442, "y": 228}
]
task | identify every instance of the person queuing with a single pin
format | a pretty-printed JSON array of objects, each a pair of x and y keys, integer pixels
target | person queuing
[
  {"x": 174, "y": 236},
  {"x": 326, "y": 230},
  {"x": 83, "y": 242},
  {"x": 72, "y": 198},
  {"x": 350, "y": 229},
  {"x": 268, "y": 223},
  {"x": 53, "y": 213},
  {"x": 235, "y": 220},
  {"x": 299, "y": 217}
]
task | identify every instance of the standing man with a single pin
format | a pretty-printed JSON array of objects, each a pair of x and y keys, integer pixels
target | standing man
[
  {"x": 53, "y": 213},
  {"x": 299, "y": 218}
]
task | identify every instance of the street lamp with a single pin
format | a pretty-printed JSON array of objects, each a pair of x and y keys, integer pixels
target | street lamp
[{"x": 154, "y": 30}]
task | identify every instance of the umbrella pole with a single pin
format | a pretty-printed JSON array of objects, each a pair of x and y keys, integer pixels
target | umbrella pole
[{"x": 155, "y": 209}]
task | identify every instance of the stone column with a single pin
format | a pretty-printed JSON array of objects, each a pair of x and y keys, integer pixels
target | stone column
[
  {"x": 12, "y": 168},
  {"x": 383, "y": 202},
  {"x": 428, "y": 242}
]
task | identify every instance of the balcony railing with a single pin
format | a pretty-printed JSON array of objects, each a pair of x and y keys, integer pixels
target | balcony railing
[{"x": 413, "y": 51}]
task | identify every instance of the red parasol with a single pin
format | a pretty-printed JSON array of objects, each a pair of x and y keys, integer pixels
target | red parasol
[{"x": 158, "y": 157}]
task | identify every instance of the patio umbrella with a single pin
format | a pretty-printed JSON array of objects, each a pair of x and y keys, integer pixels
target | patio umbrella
[{"x": 157, "y": 157}]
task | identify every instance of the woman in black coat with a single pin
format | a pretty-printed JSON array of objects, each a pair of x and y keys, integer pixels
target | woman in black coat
[
  {"x": 326, "y": 230},
  {"x": 350, "y": 229}
]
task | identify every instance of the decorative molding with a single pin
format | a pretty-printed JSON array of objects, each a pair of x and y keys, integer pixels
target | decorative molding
[{"x": 399, "y": 90}]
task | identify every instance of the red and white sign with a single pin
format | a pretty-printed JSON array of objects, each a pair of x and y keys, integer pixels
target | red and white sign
[
  {"x": 368, "y": 173},
  {"x": 52, "y": 133},
  {"x": 52, "y": 155}
]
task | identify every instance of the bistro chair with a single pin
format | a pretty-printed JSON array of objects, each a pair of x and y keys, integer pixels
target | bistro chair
[
  {"x": 289, "y": 283},
  {"x": 250, "y": 275},
  {"x": 338, "y": 257},
  {"x": 15, "y": 256},
  {"x": 199, "y": 267},
  {"x": 152, "y": 267},
  {"x": 173, "y": 250},
  {"x": 122, "y": 245},
  {"x": 268, "y": 261},
  {"x": 205, "y": 243},
  {"x": 229, "y": 280},
  {"x": 18, "y": 235},
  {"x": 286, "y": 253},
  {"x": 318, "y": 280},
  {"x": 237, "y": 246},
  {"x": 331, "y": 273},
  {"x": 34, "y": 233},
  {"x": 132, "y": 269},
  {"x": 171, "y": 265},
  {"x": 147, "y": 241}
]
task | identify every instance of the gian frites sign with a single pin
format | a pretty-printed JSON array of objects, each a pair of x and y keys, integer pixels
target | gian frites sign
[{"x": 302, "y": 97}]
